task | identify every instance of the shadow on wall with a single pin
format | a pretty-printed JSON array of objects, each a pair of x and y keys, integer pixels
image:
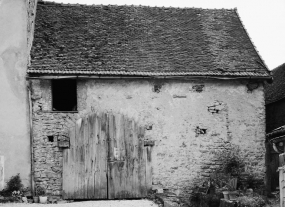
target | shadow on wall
[{"x": 14, "y": 64}]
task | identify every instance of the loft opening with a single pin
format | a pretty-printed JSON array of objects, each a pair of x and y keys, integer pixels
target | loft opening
[{"x": 64, "y": 95}]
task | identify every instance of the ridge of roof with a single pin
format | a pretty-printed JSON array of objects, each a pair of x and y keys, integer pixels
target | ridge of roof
[{"x": 51, "y": 3}]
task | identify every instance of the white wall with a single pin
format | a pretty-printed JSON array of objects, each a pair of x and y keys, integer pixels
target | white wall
[
  {"x": 14, "y": 116},
  {"x": 181, "y": 156}
]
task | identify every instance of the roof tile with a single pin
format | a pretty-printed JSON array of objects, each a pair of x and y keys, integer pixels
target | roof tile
[
  {"x": 276, "y": 90},
  {"x": 141, "y": 40}
]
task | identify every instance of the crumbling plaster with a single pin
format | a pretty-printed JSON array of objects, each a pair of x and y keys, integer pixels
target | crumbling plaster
[
  {"x": 14, "y": 123},
  {"x": 189, "y": 121}
]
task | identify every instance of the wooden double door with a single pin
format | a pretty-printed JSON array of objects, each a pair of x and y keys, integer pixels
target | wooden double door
[{"x": 107, "y": 159}]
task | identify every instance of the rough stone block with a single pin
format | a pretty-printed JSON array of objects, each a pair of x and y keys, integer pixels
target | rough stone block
[
  {"x": 168, "y": 203},
  {"x": 159, "y": 190},
  {"x": 63, "y": 144}
]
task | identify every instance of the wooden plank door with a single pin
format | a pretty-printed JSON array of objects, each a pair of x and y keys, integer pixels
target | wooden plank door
[
  {"x": 126, "y": 159},
  {"x": 84, "y": 164},
  {"x": 107, "y": 158}
]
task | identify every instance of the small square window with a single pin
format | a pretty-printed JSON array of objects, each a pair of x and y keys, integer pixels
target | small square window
[
  {"x": 64, "y": 95},
  {"x": 50, "y": 138}
]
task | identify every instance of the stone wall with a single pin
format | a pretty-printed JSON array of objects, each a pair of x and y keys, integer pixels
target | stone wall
[
  {"x": 48, "y": 127},
  {"x": 189, "y": 121}
]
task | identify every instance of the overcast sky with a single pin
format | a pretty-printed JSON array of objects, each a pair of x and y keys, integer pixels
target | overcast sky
[{"x": 264, "y": 20}]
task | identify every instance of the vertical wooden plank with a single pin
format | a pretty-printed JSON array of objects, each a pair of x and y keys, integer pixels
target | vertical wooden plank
[
  {"x": 94, "y": 151},
  {"x": 88, "y": 164},
  {"x": 78, "y": 162},
  {"x": 65, "y": 176},
  {"x": 119, "y": 182},
  {"x": 85, "y": 160},
  {"x": 132, "y": 157},
  {"x": 86, "y": 157},
  {"x": 281, "y": 179},
  {"x": 135, "y": 158},
  {"x": 282, "y": 159},
  {"x": 77, "y": 159},
  {"x": 100, "y": 136},
  {"x": 97, "y": 133},
  {"x": 101, "y": 158},
  {"x": 129, "y": 156},
  {"x": 142, "y": 163},
  {"x": 122, "y": 165},
  {"x": 111, "y": 159},
  {"x": 71, "y": 161},
  {"x": 90, "y": 194},
  {"x": 148, "y": 168},
  {"x": 67, "y": 167},
  {"x": 81, "y": 161},
  {"x": 281, "y": 187},
  {"x": 104, "y": 150}
]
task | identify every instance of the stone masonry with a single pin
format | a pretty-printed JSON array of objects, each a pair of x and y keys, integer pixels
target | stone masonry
[
  {"x": 188, "y": 120},
  {"x": 47, "y": 129}
]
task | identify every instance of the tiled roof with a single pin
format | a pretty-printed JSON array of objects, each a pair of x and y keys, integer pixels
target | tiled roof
[
  {"x": 276, "y": 91},
  {"x": 140, "y": 40}
]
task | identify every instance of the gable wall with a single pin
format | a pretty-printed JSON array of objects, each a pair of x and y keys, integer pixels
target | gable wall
[
  {"x": 14, "y": 122},
  {"x": 189, "y": 121}
]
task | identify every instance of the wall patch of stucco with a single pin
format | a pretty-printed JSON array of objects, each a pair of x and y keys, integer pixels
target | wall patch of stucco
[{"x": 13, "y": 72}]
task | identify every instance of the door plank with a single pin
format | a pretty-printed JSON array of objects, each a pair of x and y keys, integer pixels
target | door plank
[
  {"x": 77, "y": 159},
  {"x": 81, "y": 160},
  {"x": 142, "y": 163},
  {"x": 102, "y": 156},
  {"x": 148, "y": 168},
  {"x": 129, "y": 160}
]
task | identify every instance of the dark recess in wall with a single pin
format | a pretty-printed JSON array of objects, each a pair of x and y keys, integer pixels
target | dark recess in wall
[{"x": 64, "y": 95}]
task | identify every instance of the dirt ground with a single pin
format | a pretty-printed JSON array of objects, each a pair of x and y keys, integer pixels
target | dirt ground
[
  {"x": 273, "y": 202},
  {"x": 114, "y": 203}
]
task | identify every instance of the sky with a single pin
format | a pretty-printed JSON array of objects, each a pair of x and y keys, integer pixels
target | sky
[{"x": 264, "y": 20}]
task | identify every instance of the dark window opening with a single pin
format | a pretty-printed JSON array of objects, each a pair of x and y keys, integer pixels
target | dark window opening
[
  {"x": 64, "y": 95},
  {"x": 50, "y": 138}
]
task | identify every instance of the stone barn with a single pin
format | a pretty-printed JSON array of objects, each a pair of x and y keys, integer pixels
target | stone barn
[{"x": 129, "y": 98}]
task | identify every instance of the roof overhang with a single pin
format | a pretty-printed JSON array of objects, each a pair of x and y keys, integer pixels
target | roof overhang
[{"x": 185, "y": 77}]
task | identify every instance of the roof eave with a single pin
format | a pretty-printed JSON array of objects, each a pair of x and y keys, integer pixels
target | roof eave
[{"x": 151, "y": 76}]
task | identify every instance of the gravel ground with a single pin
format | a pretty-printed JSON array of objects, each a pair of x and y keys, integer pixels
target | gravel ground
[{"x": 114, "y": 203}]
